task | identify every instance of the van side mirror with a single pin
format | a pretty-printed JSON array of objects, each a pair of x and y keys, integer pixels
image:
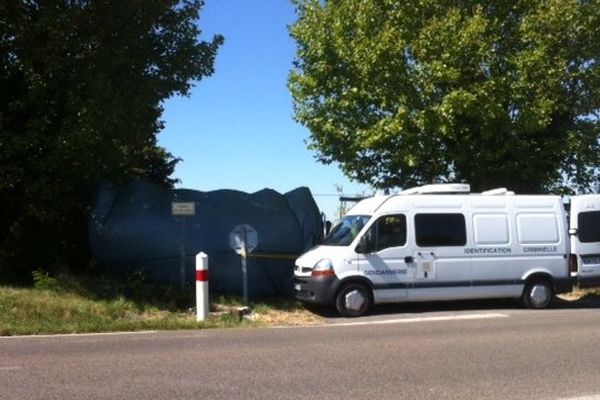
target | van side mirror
[
  {"x": 363, "y": 246},
  {"x": 573, "y": 231}
]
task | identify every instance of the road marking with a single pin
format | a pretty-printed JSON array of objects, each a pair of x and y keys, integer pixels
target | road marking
[
  {"x": 60, "y": 335},
  {"x": 421, "y": 319},
  {"x": 590, "y": 397},
  {"x": 2, "y": 369}
]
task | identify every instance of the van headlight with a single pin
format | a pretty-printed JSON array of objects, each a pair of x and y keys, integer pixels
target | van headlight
[{"x": 323, "y": 268}]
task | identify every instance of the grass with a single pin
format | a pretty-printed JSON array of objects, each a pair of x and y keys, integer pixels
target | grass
[
  {"x": 69, "y": 304},
  {"x": 76, "y": 305}
]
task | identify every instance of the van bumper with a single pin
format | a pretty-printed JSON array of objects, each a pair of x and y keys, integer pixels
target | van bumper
[{"x": 319, "y": 291}]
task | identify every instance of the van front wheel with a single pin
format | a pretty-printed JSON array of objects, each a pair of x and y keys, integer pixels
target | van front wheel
[
  {"x": 353, "y": 300},
  {"x": 538, "y": 293}
]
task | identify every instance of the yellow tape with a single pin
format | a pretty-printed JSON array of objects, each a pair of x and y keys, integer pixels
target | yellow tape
[{"x": 275, "y": 256}]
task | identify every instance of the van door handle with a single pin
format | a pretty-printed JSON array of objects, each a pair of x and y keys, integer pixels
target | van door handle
[{"x": 408, "y": 260}]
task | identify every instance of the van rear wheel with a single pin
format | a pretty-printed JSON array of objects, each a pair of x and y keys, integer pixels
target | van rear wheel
[
  {"x": 538, "y": 293},
  {"x": 353, "y": 300}
]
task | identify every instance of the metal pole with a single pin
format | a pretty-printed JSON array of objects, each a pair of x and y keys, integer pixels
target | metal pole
[
  {"x": 182, "y": 252},
  {"x": 244, "y": 269}
]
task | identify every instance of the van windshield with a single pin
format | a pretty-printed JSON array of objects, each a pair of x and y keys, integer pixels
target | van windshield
[{"x": 346, "y": 230}]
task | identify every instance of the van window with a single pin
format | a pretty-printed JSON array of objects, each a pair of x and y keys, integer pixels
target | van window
[
  {"x": 388, "y": 231},
  {"x": 489, "y": 229},
  {"x": 437, "y": 230},
  {"x": 589, "y": 226},
  {"x": 537, "y": 228}
]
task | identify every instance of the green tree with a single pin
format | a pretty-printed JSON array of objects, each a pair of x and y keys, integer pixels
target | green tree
[
  {"x": 494, "y": 93},
  {"x": 81, "y": 88}
]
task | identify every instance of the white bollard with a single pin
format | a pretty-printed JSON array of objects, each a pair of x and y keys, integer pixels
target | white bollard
[{"x": 201, "y": 287}]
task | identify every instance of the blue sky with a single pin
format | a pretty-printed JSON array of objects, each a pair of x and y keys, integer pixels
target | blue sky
[{"x": 236, "y": 130}]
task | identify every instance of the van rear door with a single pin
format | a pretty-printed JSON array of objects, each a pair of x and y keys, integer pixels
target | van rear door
[{"x": 585, "y": 238}]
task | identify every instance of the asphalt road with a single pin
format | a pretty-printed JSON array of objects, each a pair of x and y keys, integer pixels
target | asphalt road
[{"x": 478, "y": 352}]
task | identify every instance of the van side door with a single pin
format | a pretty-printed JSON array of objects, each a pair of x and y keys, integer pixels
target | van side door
[
  {"x": 442, "y": 272},
  {"x": 584, "y": 227},
  {"x": 384, "y": 257}
]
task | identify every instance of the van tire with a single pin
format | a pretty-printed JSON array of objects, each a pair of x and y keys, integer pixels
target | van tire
[
  {"x": 538, "y": 293},
  {"x": 353, "y": 300}
]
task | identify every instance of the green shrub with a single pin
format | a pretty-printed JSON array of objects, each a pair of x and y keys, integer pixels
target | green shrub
[{"x": 43, "y": 281}]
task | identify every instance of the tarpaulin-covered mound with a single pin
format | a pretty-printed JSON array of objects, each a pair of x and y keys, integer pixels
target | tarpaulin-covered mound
[{"x": 132, "y": 229}]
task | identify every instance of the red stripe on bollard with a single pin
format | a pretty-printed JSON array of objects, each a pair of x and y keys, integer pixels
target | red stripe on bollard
[{"x": 202, "y": 276}]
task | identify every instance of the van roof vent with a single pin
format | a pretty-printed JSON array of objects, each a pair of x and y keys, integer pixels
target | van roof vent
[
  {"x": 441, "y": 188},
  {"x": 498, "y": 192}
]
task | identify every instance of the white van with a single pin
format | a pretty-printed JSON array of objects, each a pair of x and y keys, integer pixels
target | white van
[
  {"x": 585, "y": 239},
  {"x": 440, "y": 242}
]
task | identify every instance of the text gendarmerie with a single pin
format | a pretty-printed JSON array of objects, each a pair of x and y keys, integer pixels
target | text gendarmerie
[{"x": 385, "y": 272}]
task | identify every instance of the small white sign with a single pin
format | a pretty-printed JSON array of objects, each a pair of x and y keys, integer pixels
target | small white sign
[
  {"x": 181, "y": 208},
  {"x": 241, "y": 233},
  {"x": 427, "y": 266}
]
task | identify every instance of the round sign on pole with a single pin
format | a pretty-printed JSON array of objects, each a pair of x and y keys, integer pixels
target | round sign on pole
[
  {"x": 243, "y": 234},
  {"x": 243, "y": 239}
]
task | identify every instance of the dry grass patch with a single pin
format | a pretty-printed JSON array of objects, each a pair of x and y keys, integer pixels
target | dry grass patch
[
  {"x": 278, "y": 311},
  {"x": 287, "y": 318},
  {"x": 578, "y": 294}
]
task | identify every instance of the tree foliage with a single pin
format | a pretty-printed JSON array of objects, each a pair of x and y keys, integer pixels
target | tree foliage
[
  {"x": 494, "y": 93},
  {"x": 81, "y": 86}
]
